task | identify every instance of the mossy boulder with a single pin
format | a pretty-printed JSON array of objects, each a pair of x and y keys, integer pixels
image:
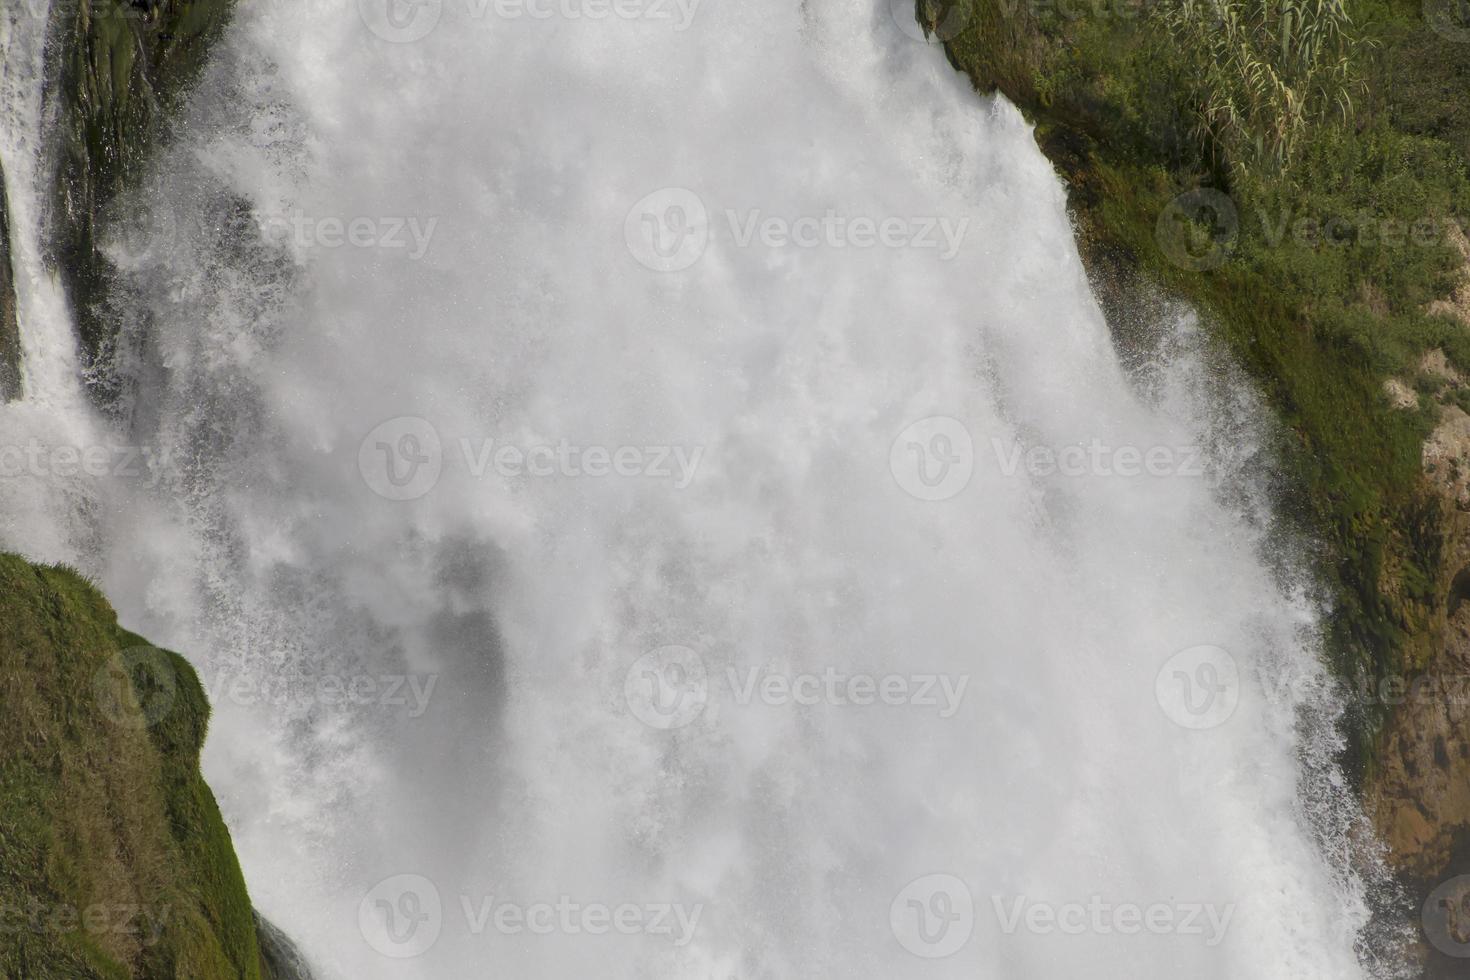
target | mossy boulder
[{"x": 114, "y": 860}]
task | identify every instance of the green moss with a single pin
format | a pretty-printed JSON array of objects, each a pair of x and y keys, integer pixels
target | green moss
[
  {"x": 1314, "y": 299},
  {"x": 103, "y": 811}
]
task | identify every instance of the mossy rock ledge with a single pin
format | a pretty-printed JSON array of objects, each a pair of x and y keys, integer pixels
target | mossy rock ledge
[{"x": 114, "y": 859}]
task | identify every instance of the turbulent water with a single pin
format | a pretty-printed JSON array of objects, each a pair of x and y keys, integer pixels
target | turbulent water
[{"x": 611, "y": 470}]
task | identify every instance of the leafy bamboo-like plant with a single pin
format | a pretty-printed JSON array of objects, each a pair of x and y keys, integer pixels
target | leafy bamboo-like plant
[{"x": 1260, "y": 72}]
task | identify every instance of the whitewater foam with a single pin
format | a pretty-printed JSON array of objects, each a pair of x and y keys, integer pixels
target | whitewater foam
[{"x": 583, "y": 745}]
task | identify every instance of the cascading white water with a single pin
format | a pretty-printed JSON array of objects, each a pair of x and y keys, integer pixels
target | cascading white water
[
  {"x": 591, "y": 736},
  {"x": 55, "y": 411}
]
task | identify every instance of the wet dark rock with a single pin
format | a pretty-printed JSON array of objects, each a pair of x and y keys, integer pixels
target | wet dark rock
[
  {"x": 120, "y": 69},
  {"x": 9, "y": 322}
]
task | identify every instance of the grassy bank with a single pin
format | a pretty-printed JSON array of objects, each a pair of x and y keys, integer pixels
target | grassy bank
[{"x": 114, "y": 861}]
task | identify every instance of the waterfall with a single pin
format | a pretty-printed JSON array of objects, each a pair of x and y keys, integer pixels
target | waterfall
[
  {"x": 650, "y": 493},
  {"x": 49, "y": 513}
]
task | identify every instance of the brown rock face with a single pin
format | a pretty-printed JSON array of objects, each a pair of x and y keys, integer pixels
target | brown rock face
[
  {"x": 1447, "y": 456},
  {"x": 1458, "y": 305},
  {"x": 1421, "y": 791}
]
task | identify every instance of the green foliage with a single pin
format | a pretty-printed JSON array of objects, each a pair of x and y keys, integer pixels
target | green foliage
[{"x": 1261, "y": 72}]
